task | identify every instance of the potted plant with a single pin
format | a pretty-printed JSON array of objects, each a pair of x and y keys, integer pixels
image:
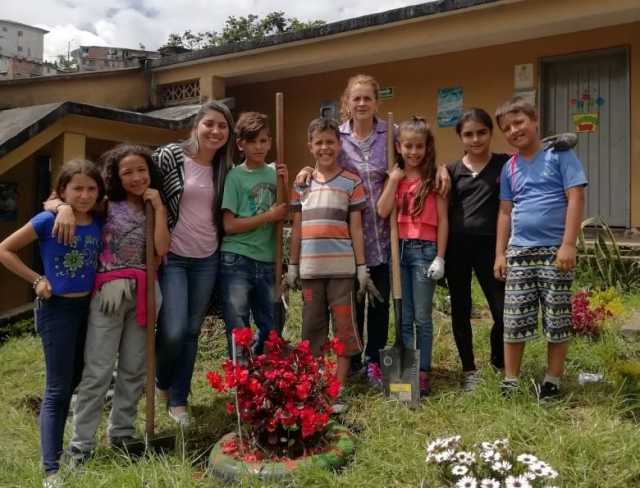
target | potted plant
[{"x": 283, "y": 402}]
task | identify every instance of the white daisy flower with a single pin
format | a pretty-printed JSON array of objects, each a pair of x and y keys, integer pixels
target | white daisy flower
[
  {"x": 487, "y": 446},
  {"x": 530, "y": 475},
  {"x": 516, "y": 482},
  {"x": 527, "y": 459},
  {"x": 459, "y": 470},
  {"x": 552, "y": 473},
  {"x": 487, "y": 456},
  {"x": 444, "y": 456},
  {"x": 501, "y": 467},
  {"x": 465, "y": 457},
  {"x": 467, "y": 482},
  {"x": 501, "y": 443},
  {"x": 489, "y": 483},
  {"x": 497, "y": 456},
  {"x": 435, "y": 445}
]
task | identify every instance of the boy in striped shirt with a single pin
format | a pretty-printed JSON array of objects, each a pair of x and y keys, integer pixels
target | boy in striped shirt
[{"x": 327, "y": 247}]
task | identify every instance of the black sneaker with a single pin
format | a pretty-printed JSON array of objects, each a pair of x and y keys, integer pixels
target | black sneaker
[
  {"x": 547, "y": 391},
  {"x": 75, "y": 457},
  {"x": 121, "y": 442},
  {"x": 508, "y": 388}
]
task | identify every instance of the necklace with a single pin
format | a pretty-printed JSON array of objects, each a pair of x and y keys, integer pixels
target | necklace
[{"x": 475, "y": 169}]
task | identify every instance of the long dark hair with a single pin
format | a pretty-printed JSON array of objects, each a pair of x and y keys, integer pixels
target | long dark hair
[
  {"x": 79, "y": 167},
  {"x": 428, "y": 168},
  {"x": 111, "y": 168},
  {"x": 476, "y": 115}
]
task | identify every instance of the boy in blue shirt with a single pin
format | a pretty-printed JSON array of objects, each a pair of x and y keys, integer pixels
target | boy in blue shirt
[{"x": 541, "y": 206}]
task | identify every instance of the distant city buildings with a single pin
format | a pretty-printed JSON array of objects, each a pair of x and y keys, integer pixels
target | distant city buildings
[
  {"x": 21, "y": 49},
  {"x": 96, "y": 58}
]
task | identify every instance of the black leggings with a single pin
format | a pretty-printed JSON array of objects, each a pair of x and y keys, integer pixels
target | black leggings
[
  {"x": 477, "y": 253},
  {"x": 377, "y": 317}
]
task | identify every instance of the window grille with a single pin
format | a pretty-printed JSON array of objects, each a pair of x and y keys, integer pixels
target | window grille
[{"x": 179, "y": 93}]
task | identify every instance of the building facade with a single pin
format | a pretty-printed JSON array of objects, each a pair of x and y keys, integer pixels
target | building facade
[
  {"x": 578, "y": 61},
  {"x": 95, "y": 58}
]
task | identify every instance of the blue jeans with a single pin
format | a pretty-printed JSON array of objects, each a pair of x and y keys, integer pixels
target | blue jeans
[
  {"x": 417, "y": 296},
  {"x": 187, "y": 285},
  {"x": 62, "y": 325},
  {"x": 247, "y": 289}
]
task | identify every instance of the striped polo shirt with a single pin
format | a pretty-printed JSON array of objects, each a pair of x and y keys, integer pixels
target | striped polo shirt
[{"x": 326, "y": 249}]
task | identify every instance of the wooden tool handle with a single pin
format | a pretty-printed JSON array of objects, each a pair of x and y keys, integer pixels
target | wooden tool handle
[
  {"x": 393, "y": 219},
  {"x": 281, "y": 194},
  {"x": 151, "y": 318}
]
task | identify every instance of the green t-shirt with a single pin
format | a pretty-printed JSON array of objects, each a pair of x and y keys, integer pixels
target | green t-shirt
[{"x": 248, "y": 193}]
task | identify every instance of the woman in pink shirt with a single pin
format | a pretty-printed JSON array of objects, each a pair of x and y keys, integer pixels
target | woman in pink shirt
[{"x": 193, "y": 174}]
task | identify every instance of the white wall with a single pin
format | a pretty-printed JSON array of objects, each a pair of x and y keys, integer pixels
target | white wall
[{"x": 21, "y": 41}]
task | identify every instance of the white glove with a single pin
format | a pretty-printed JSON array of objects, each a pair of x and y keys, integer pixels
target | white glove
[
  {"x": 365, "y": 284},
  {"x": 436, "y": 270},
  {"x": 293, "y": 276},
  {"x": 112, "y": 293}
]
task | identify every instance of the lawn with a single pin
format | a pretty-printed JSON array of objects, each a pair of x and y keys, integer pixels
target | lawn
[{"x": 591, "y": 436}]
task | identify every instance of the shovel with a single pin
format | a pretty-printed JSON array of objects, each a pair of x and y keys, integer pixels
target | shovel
[
  {"x": 398, "y": 363},
  {"x": 151, "y": 443},
  {"x": 279, "y": 313}
]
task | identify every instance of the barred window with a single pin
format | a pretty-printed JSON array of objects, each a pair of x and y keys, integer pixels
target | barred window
[{"x": 179, "y": 93}]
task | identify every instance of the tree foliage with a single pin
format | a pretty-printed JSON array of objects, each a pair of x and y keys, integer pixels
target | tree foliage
[
  {"x": 239, "y": 29},
  {"x": 66, "y": 64}
]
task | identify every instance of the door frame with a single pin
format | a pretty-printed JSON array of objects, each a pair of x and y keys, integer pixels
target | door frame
[{"x": 576, "y": 56}]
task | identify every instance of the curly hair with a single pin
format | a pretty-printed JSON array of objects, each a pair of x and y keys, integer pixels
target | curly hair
[
  {"x": 110, "y": 162},
  {"x": 428, "y": 170},
  {"x": 345, "y": 113}
]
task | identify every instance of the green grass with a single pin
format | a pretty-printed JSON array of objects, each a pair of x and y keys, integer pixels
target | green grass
[{"x": 590, "y": 437}]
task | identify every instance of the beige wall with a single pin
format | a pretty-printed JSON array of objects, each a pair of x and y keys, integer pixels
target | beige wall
[
  {"x": 16, "y": 291},
  {"x": 486, "y": 75},
  {"x": 126, "y": 90}
]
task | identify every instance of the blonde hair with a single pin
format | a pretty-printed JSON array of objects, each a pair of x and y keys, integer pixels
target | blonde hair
[
  {"x": 428, "y": 170},
  {"x": 345, "y": 113}
]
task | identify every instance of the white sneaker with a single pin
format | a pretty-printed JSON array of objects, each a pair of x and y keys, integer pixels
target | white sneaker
[
  {"x": 52, "y": 481},
  {"x": 471, "y": 380},
  {"x": 183, "y": 419}
]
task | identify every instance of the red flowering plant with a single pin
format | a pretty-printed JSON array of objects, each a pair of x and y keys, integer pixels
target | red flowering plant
[
  {"x": 586, "y": 319},
  {"x": 283, "y": 397}
]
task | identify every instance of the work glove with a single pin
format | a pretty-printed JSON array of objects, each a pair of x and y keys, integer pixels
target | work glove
[
  {"x": 436, "y": 270},
  {"x": 560, "y": 142},
  {"x": 111, "y": 294},
  {"x": 365, "y": 285},
  {"x": 293, "y": 276}
]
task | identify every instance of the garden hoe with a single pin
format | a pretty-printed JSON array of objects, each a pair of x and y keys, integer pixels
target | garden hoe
[
  {"x": 399, "y": 364},
  {"x": 151, "y": 442},
  {"x": 279, "y": 312}
]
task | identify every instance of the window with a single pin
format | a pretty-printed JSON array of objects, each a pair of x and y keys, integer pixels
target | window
[
  {"x": 19, "y": 33},
  {"x": 19, "y": 48},
  {"x": 28, "y": 51},
  {"x": 179, "y": 93},
  {"x": 4, "y": 29}
]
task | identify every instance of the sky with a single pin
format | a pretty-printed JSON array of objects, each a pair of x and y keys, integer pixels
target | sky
[{"x": 129, "y": 23}]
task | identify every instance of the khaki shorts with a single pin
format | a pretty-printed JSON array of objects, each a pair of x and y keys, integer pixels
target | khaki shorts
[{"x": 325, "y": 296}]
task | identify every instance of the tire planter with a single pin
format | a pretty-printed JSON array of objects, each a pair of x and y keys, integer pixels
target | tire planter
[{"x": 340, "y": 449}]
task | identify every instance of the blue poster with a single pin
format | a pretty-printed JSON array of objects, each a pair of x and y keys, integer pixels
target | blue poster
[{"x": 449, "y": 106}]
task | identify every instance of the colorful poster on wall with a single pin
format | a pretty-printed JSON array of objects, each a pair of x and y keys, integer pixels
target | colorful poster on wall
[
  {"x": 587, "y": 122},
  {"x": 449, "y": 106}
]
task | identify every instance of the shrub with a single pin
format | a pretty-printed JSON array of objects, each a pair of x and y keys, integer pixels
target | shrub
[{"x": 282, "y": 397}]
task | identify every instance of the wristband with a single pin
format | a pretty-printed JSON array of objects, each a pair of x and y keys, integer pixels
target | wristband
[{"x": 37, "y": 281}]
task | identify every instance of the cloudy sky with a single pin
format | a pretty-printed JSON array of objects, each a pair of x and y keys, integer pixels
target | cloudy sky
[{"x": 128, "y": 23}]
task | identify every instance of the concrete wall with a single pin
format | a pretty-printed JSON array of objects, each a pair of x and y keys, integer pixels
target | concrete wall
[
  {"x": 125, "y": 89},
  {"x": 28, "y": 45},
  {"x": 486, "y": 75}
]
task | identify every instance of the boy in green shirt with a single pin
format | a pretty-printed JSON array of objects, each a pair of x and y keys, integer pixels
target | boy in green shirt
[{"x": 248, "y": 247}]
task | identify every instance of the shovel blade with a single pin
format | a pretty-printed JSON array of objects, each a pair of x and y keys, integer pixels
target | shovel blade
[{"x": 400, "y": 378}]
